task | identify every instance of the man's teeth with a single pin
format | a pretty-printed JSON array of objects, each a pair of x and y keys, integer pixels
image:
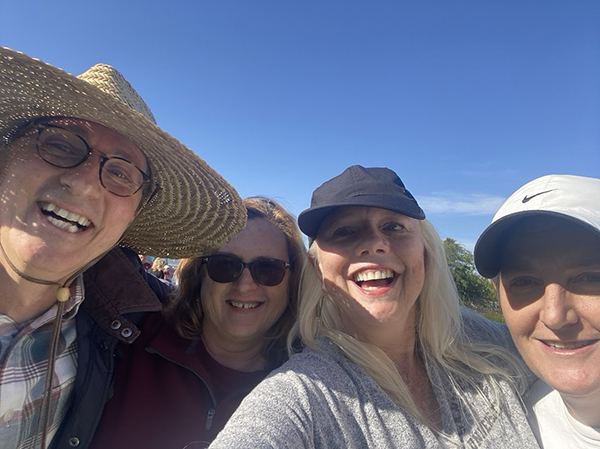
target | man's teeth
[
  {"x": 74, "y": 222},
  {"x": 244, "y": 305},
  {"x": 564, "y": 345},
  {"x": 71, "y": 216},
  {"x": 372, "y": 275},
  {"x": 63, "y": 224}
]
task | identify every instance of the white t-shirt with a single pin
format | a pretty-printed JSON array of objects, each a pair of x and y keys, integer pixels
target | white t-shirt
[{"x": 553, "y": 425}]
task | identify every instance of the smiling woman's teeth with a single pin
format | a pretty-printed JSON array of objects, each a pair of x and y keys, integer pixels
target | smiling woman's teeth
[
  {"x": 374, "y": 279},
  {"x": 244, "y": 305},
  {"x": 565, "y": 345},
  {"x": 64, "y": 219},
  {"x": 372, "y": 275}
]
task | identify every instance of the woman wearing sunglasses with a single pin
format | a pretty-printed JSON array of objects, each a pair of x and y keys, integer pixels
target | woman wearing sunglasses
[
  {"x": 390, "y": 359},
  {"x": 240, "y": 299},
  {"x": 225, "y": 331}
]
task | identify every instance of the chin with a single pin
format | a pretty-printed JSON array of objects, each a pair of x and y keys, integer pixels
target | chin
[{"x": 569, "y": 384}]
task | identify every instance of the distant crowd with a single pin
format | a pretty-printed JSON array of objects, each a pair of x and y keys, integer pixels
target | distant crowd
[{"x": 158, "y": 267}]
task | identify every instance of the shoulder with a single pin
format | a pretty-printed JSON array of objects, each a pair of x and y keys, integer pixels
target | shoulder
[
  {"x": 304, "y": 403},
  {"x": 324, "y": 361},
  {"x": 482, "y": 330},
  {"x": 278, "y": 411},
  {"x": 493, "y": 340},
  {"x": 303, "y": 369},
  {"x": 117, "y": 295},
  {"x": 315, "y": 377},
  {"x": 306, "y": 377},
  {"x": 549, "y": 419}
]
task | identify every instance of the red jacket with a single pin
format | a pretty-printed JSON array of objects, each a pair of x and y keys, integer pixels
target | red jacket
[{"x": 169, "y": 393}]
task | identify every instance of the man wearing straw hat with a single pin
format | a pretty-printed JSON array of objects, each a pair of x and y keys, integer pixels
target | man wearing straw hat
[{"x": 84, "y": 168}]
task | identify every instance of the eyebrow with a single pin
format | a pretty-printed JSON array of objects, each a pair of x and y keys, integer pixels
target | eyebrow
[
  {"x": 84, "y": 132},
  {"x": 516, "y": 265},
  {"x": 588, "y": 263}
]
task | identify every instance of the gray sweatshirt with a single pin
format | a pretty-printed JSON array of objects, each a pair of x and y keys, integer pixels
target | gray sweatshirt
[{"x": 319, "y": 399}]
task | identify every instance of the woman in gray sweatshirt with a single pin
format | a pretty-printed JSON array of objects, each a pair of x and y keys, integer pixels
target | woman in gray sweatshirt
[{"x": 390, "y": 359}]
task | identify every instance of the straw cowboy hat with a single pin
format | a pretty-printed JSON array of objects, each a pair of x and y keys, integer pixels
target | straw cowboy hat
[{"x": 195, "y": 208}]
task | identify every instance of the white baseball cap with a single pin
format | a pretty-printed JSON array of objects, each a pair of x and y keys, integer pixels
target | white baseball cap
[{"x": 572, "y": 197}]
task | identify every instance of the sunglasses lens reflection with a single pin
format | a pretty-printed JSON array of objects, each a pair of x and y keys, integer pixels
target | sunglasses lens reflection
[
  {"x": 268, "y": 272},
  {"x": 225, "y": 269}
]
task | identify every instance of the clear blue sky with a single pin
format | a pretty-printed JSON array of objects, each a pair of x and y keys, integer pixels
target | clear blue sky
[{"x": 465, "y": 100}]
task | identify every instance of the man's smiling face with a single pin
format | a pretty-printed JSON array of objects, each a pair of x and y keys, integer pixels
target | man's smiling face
[{"x": 54, "y": 221}]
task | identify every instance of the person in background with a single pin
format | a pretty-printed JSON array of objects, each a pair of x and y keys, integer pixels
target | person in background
[
  {"x": 168, "y": 271},
  {"x": 225, "y": 331},
  {"x": 144, "y": 261},
  {"x": 177, "y": 272},
  {"x": 390, "y": 358},
  {"x": 543, "y": 251},
  {"x": 157, "y": 267},
  {"x": 84, "y": 168}
]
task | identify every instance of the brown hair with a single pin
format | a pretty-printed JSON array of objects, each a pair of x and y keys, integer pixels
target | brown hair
[{"x": 185, "y": 310}]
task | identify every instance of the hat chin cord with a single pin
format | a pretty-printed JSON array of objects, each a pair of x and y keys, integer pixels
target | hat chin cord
[{"x": 62, "y": 294}]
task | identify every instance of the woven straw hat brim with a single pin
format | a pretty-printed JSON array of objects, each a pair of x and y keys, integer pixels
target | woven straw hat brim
[{"x": 195, "y": 209}]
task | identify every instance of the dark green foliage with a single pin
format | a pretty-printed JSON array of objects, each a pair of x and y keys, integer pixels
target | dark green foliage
[{"x": 474, "y": 290}]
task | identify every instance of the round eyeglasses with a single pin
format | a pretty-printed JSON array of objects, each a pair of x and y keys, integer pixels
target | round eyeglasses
[
  {"x": 224, "y": 269},
  {"x": 63, "y": 148}
]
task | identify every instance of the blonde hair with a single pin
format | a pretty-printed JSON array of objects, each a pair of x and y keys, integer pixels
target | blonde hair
[
  {"x": 179, "y": 267},
  {"x": 439, "y": 334},
  {"x": 158, "y": 263}
]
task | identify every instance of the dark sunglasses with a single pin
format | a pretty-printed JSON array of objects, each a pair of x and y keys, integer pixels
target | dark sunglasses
[{"x": 224, "y": 269}]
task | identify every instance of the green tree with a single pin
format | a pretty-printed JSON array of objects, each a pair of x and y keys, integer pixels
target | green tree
[{"x": 473, "y": 289}]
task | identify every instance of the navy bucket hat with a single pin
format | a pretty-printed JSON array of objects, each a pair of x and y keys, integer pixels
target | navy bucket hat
[{"x": 358, "y": 186}]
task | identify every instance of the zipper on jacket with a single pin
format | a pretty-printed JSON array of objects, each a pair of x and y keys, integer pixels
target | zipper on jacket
[
  {"x": 152, "y": 350},
  {"x": 211, "y": 411},
  {"x": 209, "y": 418}
]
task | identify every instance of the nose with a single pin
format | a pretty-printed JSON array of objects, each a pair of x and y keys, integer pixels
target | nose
[
  {"x": 557, "y": 309},
  {"x": 245, "y": 282},
  {"x": 372, "y": 242},
  {"x": 83, "y": 179}
]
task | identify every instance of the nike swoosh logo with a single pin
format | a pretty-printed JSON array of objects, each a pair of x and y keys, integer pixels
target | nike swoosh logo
[{"x": 527, "y": 198}]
